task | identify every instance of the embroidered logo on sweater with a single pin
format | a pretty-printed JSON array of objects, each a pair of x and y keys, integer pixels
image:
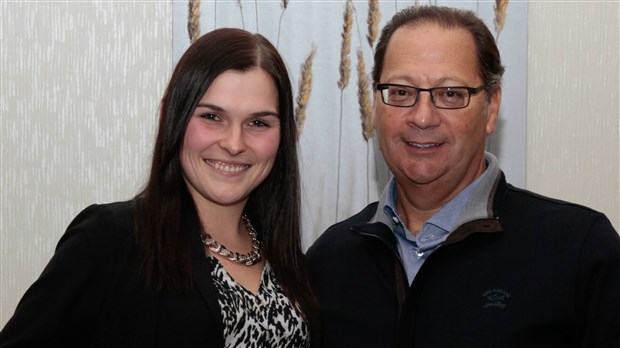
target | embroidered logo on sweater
[{"x": 495, "y": 298}]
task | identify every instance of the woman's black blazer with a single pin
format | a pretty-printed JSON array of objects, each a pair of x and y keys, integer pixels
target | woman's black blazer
[{"x": 93, "y": 293}]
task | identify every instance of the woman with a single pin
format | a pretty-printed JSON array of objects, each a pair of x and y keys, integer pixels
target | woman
[{"x": 208, "y": 254}]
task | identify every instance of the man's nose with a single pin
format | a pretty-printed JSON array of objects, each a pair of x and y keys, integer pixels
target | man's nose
[{"x": 424, "y": 114}]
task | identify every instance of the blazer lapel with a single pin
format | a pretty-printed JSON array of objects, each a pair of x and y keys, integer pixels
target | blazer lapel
[{"x": 201, "y": 269}]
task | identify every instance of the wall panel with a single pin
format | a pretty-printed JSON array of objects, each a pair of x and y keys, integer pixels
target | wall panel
[
  {"x": 79, "y": 93},
  {"x": 573, "y": 103}
]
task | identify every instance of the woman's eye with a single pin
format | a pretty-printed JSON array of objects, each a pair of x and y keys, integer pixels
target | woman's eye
[
  {"x": 258, "y": 123},
  {"x": 209, "y": 116}
]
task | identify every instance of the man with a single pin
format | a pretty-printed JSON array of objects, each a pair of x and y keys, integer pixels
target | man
[{"x": 452, "y": 255}]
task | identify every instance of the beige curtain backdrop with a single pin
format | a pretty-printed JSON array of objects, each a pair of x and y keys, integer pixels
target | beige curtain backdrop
[
  {"x": 341, "y": 169},
  {"x": 80, "y": 85}
]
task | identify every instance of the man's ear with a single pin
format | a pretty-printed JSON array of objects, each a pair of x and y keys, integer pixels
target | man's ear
[
  {"x": 493, "y": 109},
  {"x": 375, "y": 98}
]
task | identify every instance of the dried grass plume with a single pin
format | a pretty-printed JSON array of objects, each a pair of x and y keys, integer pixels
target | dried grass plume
[
  {"x": 304, "y": 91},
  {"x": 284, "y": 5},
  {"x": 345, "y": 49},
  {"x": 193, "y": 20},
  {"x": 364, "y": 97},
  {"x": 373, "y": 19},
  {"x": 501, "y": 8}
]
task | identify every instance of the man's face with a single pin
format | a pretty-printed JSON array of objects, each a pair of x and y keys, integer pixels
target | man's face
[{"x": 422, "y": 144}]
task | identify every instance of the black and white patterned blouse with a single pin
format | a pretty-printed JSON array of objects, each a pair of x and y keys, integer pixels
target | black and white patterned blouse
[{"x": 266, "y": 319}]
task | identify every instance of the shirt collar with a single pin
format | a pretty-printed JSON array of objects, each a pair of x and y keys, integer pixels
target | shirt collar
[{"x": 474, "y": 202}]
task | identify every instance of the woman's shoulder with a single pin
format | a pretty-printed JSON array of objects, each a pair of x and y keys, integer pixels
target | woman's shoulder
[
  {"x": 115, "y": 210},
  {"x": 102, "y": 224}
]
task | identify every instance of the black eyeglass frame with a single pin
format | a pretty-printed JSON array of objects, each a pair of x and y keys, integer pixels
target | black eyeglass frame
[{"x": 470, "y": 91}]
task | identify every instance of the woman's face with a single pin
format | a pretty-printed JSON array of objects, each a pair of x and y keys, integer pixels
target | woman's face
[{"x": 232, "y": 138}]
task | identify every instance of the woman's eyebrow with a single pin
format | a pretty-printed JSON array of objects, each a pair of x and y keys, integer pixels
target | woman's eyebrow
[
  {"x": 210, "y": 106},
  {"x": 254, "y": 114}
]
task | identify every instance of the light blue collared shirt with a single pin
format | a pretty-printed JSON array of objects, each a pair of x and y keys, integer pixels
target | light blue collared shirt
[{"x": 468, "y": 205}]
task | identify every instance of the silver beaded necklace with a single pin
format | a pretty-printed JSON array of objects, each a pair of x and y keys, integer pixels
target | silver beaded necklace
[{"x": 249, "y": 259}]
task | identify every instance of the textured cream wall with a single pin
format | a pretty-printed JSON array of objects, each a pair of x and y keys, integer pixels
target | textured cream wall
[
  {"x": 573, "y": 103},
  {"x": 80, "y": 84},
  {"x": 79, "y": 92}
]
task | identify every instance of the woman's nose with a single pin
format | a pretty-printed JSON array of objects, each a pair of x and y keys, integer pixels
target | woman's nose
[{"x": 233, "y": 140}]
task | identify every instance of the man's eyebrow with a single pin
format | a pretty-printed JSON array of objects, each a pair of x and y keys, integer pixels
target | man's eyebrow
[
  {"x": 436, "y": 82},
  {"x": 450, "y": 79}
]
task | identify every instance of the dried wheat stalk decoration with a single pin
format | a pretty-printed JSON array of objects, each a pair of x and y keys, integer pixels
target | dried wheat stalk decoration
[
  {"x": 193, "y": 20},
  {"x": 303, "y": 94},
  {"x": 374, "y": 16},
  {"x": 364, "y": 97},
  {"x": 256, "y": 10},
  {"x": 365, "y": 111},
  {"x": 241, "y": 10},
  {"x": 501, "y": 6},
  {"x": 214, "y": 13},
  {"x": 284, "y": 5},
  {"x": 345, "y": 49},
  {"x": 345, "y": 71}
]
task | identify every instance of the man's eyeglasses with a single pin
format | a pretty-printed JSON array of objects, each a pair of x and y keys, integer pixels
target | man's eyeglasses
[{"x": 442, "y": 97}]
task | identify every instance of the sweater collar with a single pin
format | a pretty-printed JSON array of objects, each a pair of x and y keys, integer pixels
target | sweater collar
[{"x": 479, "y": 204}]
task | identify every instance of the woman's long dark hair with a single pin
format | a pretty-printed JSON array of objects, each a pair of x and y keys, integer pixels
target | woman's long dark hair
[{"x": 274, "y": 206}]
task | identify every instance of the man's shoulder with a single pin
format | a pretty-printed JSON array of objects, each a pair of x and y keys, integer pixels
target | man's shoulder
[
  {"x": 339, "y": 234},
  {"x": 365, "y": 215},
  {"x": 567, "y": 219},
  {"x": 538, "y": 202}
]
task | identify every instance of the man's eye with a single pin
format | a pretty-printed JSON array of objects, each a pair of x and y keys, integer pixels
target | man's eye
[
  {"x": 451, "y": 93},
  {"x": 399, "y": 92}
]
